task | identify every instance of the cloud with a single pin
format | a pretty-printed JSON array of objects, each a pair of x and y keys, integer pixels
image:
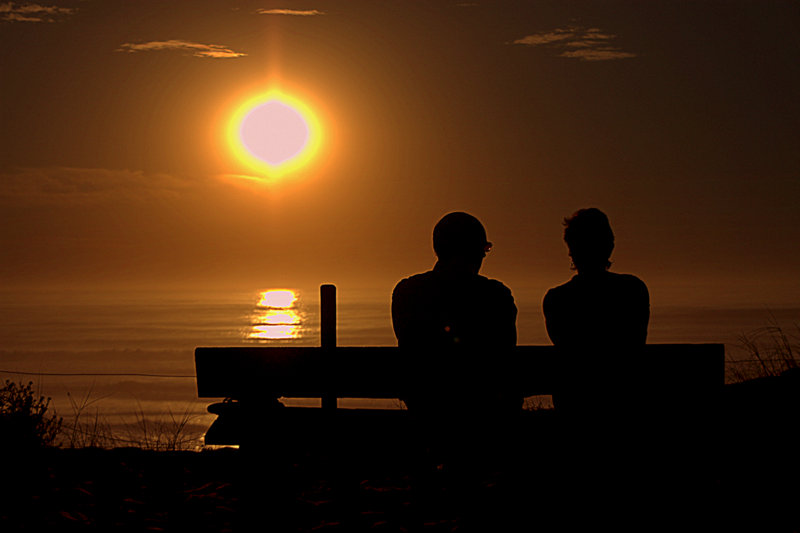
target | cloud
[
  {"x": 291, "y": 12},
  {"x": 587, "y": 54},
  {"x": 214, "y": 51},
  {"x": 546, "y": 37},
  {"x": 86, "y": 186},
  {"x": 13, "y": 12},
  {"x": 577, "y": 43}
]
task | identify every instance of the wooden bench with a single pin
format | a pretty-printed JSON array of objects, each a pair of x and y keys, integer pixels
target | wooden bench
[{"x": 254, "y": 378}]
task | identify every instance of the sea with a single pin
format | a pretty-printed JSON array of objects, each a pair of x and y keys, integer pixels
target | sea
[{"x": 119, "y": 365}]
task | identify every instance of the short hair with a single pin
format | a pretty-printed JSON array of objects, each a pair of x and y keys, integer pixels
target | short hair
[
  {"x": 459, "y": 234},
  {"x": 589, "y": 238}
]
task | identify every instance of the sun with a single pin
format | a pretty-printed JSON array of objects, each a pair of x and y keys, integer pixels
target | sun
[{"x": 273, "y": 133}]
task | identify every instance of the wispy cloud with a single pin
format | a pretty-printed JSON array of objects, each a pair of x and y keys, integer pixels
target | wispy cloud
[
  {"x": 214, "y": 51},
  {"x": 83, "y": 186},
  {"x": 13, "y": 12},
  {"x": 546, "y": 37},
  {"x": 291, "y": 12},
  {"x": 588, "y": 54},
  {"x": 577, "y": 43}
]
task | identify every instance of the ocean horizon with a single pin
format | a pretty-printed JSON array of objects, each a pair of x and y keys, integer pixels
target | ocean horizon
[{"x": 126, "y": 356}]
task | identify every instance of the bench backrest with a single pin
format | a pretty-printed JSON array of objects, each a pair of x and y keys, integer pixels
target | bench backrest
[{"x": 372, "y": 372}]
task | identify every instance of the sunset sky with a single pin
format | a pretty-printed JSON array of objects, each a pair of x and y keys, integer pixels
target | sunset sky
[{"x": 681, "y": 120}]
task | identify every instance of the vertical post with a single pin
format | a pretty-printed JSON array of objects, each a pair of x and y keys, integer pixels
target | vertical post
[{"x": 327, "y": 302}]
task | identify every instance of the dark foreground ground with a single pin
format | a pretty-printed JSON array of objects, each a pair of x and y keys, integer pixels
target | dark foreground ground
[{"x": 331, "y": 479}]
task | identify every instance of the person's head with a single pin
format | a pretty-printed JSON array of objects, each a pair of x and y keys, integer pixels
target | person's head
[
  {"x": 459, "y": 239},
  {"x": 590, "y": 240}
]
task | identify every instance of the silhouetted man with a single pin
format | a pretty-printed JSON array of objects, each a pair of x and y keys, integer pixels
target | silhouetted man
[
  {"x": 598, "y": 319},
  {"x": 456, "y": 327},
  {"x": 456, "y": 330}
]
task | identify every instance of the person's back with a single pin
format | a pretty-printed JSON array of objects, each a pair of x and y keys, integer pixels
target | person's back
[
  {"x": 457, "y": 332},
  {"x": 598, "y": 320},
  {"x": 601, "y": 309},
  {"x": 455, "y": 327}
]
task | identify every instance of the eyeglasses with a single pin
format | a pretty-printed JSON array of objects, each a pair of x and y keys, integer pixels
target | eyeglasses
[{"x": 487, "y": 247}]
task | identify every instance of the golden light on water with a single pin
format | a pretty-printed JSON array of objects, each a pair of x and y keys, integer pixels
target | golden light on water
[
  {"x": 276, "y": 316},
  {"x": 274, "y": 332},
  {"x": 273, "y": 133},
  {"x": 277, "y": 298},
  {"x": 279, "y": 318}
]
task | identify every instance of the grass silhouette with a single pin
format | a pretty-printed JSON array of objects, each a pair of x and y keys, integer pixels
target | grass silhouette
[
  {"x": 26, "y": 419},
  {"x": 772, "y": 351},
  {"x": 168, "y": 431}
]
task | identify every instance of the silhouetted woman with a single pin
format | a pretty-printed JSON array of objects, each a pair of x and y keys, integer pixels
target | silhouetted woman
[{"x": 598, "y": 319}]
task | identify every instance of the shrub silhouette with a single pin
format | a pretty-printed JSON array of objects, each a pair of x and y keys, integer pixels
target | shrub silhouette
[{"x": 24, "y": 418}]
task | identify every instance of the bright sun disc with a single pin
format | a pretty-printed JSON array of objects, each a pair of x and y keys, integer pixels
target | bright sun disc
[{"x": 273, "y": 133}]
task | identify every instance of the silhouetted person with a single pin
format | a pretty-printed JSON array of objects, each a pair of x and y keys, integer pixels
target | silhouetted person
[
  {"x": 598, "y": 319},
  {"x": 456, "y": 330}
]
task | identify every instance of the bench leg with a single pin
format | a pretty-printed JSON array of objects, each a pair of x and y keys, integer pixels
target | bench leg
[{"x": 267, "y": 498}]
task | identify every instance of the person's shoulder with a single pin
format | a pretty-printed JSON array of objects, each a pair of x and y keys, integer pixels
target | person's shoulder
[
  {"x": 557, "y": 294},
  {"x": 559, "y": 290},
  {"x": 627, "y": 279},
  {"x": 422, "y": 277},
  {"x": 493, "y": 285},
  {"x": 630, "y": 284},
  {"x": 413, "y": 282}
]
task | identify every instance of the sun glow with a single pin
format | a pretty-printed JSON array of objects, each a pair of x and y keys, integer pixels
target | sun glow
[
  {"x": 276, "y": 316},
  {"x": 275, "y": 325},
  {"x": 277, "y": 298},
  {"x": 279, "y": 318},
  {"x": 273, "y": 133},
  {"x": 274, "y": 332}
]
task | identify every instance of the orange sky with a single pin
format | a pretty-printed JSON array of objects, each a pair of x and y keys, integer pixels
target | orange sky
[{"x": 679, "y": 119}]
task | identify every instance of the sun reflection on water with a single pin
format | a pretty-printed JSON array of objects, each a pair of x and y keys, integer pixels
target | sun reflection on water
[
  {"x": 276, "y": 316},
  {"x": 278, "y": 298},
  {"x": 282, "y": 317}
]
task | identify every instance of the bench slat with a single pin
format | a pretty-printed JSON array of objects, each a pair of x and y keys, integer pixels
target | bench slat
[{"x": 372, "y": 372}]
